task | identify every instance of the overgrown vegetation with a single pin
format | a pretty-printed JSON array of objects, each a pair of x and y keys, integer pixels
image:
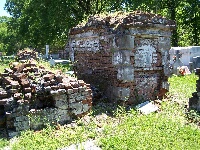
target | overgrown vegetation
[
  {"x": 117, "y": 127},
  {"x": 164, "y": 130}
]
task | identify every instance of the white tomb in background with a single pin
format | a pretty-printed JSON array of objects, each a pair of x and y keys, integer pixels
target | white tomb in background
[{"x": 187, "y": 54}]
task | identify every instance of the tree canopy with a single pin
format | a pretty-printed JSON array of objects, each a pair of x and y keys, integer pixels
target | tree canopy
[{"x": 39, "y": 22}]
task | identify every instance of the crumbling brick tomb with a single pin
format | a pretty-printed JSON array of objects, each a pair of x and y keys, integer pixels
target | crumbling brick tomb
[
  {"x": 32, "y": 96},
  {"x": 125, "y": 55}
]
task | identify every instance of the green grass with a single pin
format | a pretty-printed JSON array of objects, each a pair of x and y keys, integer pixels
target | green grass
[
  {"x": 164, "y": 130},
  {"x": 49, "y": 138},
  {"x": 3, "y": 142},
  {"x": 182, "y": 87},
  {"x": 126, "y": 129}
]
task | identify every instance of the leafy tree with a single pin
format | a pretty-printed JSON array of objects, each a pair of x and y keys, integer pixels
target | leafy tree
[
  {"x": 41, "y": 22},
  {"x": 190, "y": 19},
  {"x": 8, "y": 38}
]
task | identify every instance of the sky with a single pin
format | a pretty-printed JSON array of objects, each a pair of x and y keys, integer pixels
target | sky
[{"x": 2, "y": 11}]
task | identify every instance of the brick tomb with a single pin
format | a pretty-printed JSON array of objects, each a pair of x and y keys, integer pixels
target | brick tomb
[{"x": 126, "y": 55}]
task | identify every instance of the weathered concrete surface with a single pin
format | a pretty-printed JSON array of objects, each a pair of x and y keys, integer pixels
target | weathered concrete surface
[{"x": 125, "y": 54}]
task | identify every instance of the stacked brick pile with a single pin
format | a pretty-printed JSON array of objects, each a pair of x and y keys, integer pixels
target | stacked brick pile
[
  {"x": 194, "y": 101},
  {"x": 27, "y": 54},
  {"x": 126, "y": 55},
  {"x": 31, "y": 96}
]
